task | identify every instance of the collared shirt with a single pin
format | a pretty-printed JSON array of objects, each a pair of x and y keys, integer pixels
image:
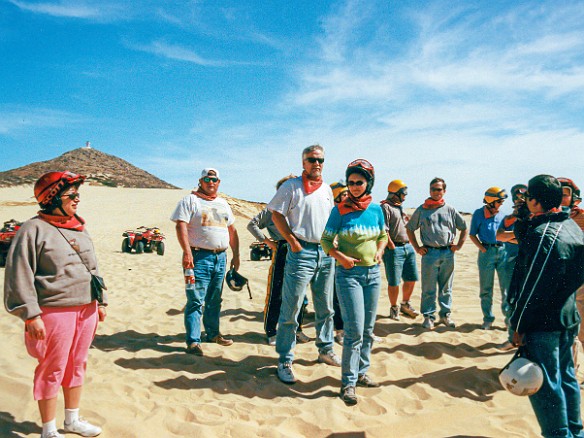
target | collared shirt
[{"x": 485, "y": 228}]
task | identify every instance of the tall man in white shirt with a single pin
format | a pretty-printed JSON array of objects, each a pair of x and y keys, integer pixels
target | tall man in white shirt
[{"x": 300, "y": 210}]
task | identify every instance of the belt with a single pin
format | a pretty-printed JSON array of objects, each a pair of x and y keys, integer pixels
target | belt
[
  {"x": 437, "y": 247},
  {"x": 492, "y": 245},
  {"x": 214, "y": 251},
  {"x": 400, "y": 243},
  {"x": 305, "y": 243}
]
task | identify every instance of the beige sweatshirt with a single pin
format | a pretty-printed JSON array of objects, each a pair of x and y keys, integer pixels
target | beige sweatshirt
[{"x": 42, "y": 269}]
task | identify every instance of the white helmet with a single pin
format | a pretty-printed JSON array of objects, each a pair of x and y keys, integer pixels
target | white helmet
[{"x": 521, "y": 376}]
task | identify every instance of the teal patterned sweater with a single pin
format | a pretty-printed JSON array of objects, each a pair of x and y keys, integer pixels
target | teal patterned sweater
[{"x": 358, "y": 233}]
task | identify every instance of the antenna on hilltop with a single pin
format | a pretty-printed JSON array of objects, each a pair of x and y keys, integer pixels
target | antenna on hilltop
[{"x": 87, "y": 145}]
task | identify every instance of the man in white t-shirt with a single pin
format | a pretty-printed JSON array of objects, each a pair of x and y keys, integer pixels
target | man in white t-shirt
[
  {"x": 300, "y": 210},
  {"x": 204, "y": 227}
]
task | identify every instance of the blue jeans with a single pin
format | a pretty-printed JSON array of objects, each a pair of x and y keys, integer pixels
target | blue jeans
[
  {"x": 489, "y": 262},
  {"x": 557, "y": 403},
  {"x": 437, "y": 274},
  {"x": 209, "y": 272},
  {"x": 358, "y": 291},
  {"x": 308, "y": 266}
]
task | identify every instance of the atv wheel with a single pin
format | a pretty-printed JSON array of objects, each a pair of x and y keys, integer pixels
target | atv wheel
[
  {"x": 160, "y": 248},
  {"x": 2, "y": 259},
  {"x": 126, "y": 247},
  {"x": 139, "y": 247},
  {"x": 148, "y": 247},
  {"x": 254, "y": 255}
]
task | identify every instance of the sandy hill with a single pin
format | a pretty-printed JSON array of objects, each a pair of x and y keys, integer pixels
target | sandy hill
[{"x": 99, "y": 168}]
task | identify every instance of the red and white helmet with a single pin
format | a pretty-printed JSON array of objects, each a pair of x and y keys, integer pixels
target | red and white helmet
[{"x": 52, "y": 184}]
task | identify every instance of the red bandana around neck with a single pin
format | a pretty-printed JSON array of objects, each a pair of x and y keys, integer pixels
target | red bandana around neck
[
  {"x": 310, "y": 185},
  {"x": 488, "y": 213},
  {"x": 201, "y": 194},
  {"x": 353, "y": 204},
  {"x": 391, "y": 201},
  {"x": 74, "y": 222},
  {"x": 430, "y": 204}
]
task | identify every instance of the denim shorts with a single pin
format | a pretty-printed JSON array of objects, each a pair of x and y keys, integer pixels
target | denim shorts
[{"x": 400, "y": 263}]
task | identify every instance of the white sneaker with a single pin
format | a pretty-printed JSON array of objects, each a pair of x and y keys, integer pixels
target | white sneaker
[
  {"x": 272, "y": 340},
  {"x": 487, "y": 325},
  {"x": 52, "y": 434},
  {"x": 285, "y": 373},
  {"x": 330, "y": 358},
  {"x": 82, "y": 427},
  {"x": 447, "y": 321}
]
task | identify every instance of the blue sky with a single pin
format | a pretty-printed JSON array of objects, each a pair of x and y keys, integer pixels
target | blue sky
[{"x": 481, "y": 93}]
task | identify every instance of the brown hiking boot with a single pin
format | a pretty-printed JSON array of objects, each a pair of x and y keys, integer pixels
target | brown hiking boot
[{"x": 219, "y": 339}]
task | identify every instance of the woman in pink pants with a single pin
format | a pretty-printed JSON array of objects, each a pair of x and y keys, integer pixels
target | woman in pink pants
[{"x": 48, "y": 285}]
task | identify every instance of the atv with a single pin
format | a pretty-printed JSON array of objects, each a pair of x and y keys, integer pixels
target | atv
[
  {"x": 259, "y": 250},
  {"x": 7, "y": 234},
  {"x": 143, "y": 239}
]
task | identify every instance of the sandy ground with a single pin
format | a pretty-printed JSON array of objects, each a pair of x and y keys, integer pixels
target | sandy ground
[{"x": 140, "y": 382}]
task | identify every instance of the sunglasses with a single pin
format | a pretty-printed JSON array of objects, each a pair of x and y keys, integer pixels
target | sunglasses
[
  {"x": 437, "y": 189},
  {"x": 357, "y": 183},
  {"x": 498, "y": 201},
  {"x": 209, "y": 179},
  {"x": 313, "y": 160},
  {"x": 527, "y": 196},
  {"x": 71, "y": 196}
]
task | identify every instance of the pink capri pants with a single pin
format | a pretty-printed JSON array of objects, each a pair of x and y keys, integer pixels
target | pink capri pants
[{"x": 62, "y": 355}]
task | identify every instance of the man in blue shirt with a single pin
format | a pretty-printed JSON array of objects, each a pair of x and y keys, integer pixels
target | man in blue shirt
[{"x": 483, "y": 233}]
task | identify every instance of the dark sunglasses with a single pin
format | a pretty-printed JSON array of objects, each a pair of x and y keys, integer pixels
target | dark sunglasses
[
  {"x": 209, "y": 179},
  {"x": 313, "y": 160},
  {"x": 527, "y": 196},
  {"x": 71, "y": 196},
  {"x": 357, "y": 183},
  {"x": 498, "y": 201},
  {"x": 437, "y": 189}
]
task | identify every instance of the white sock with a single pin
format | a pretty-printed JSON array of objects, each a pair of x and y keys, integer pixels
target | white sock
[
  {"x": 49, "y": 426},
  {"x": 71, "y": 415}
]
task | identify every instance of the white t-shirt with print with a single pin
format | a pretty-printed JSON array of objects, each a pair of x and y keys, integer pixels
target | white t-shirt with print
[
  {"x": 207, "y": 221},
  {"x": 306, "y": 214}
]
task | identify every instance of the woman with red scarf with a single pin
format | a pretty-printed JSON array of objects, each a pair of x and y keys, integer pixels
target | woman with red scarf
[
  {"x": 48, "y": 285},
  {"x": 359, "y": 227}
]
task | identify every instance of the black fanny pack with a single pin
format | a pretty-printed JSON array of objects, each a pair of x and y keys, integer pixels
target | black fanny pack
[{"x": 97, "y": 287}]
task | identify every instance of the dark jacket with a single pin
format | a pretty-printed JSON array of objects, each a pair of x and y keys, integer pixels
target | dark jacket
[{"x": 547, "y": 273}]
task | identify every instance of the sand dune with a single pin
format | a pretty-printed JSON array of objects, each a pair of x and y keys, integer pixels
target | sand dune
[{"x": 141, "y": 383}]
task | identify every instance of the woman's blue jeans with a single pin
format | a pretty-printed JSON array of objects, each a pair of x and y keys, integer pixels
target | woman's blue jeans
[
  {"x": 358, "y": 292},
  {"x": 205, "y": 298},
  {"x": 557, "y": 403},
  {"x": 310, "y": 266}
]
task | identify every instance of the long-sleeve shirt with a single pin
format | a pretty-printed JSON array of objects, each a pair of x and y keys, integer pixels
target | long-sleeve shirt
[
  {"x": 358, "y": 233},
  {"x": 263, "y": 220},
  {"x": 43, "y": 269}
]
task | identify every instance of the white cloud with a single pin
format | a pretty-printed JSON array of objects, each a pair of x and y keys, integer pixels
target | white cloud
[
  {"x": 14, "y": 120},
  {"x": 59, "y": 9},
  {"x": 179, "y": 53}
]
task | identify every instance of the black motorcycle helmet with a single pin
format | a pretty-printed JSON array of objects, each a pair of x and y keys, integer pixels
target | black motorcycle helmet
[{"x": 235, "y": 281}]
